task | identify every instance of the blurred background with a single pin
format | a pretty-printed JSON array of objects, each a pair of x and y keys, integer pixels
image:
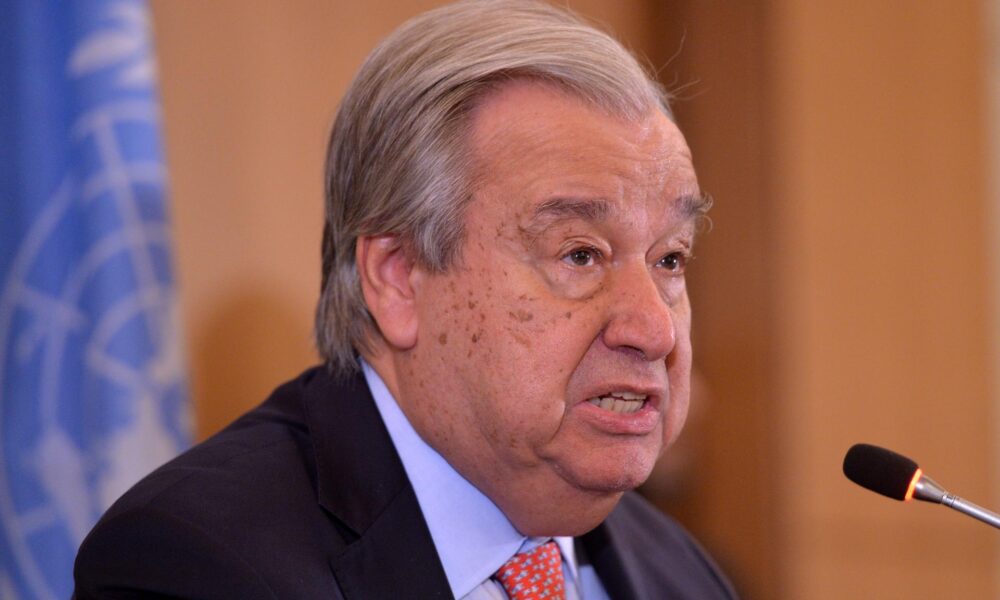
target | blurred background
[{"x": 846, "y": 293}]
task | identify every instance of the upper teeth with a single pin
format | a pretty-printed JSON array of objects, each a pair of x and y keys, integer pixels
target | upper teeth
[{"x": 619, "y": 402}]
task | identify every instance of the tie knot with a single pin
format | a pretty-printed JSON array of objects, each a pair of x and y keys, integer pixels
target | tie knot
[{"x": 533, "y": 575}]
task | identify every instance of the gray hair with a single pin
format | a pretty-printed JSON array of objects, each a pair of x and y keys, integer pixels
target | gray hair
[{"x": 397, "y": 159}]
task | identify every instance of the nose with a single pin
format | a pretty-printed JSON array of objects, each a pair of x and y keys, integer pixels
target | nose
[{"x": 640, "y": 319}]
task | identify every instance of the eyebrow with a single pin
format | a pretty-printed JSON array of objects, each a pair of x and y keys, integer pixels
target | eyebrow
[
  {"x": 588, "y": 209},
  {"x": 693, "y": 206},
  {"x": 688, "y": 207}
]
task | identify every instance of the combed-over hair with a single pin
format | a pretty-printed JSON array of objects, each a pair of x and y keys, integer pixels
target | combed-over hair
[{"x": 398, "y": 160}]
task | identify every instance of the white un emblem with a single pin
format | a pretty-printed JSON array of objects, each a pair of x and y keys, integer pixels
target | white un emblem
[{"x": 90, "y": 366}]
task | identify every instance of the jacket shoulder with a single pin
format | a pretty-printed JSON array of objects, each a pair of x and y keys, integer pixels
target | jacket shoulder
[{"x": 229, "y": 518}]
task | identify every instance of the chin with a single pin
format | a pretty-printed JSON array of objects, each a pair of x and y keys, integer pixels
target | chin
[
  {"x": 612, "y": 477},
  {"x": 616, "y": 466},
  {"x": 580, "y": 498},
  {"x": 620, "y": 482}
]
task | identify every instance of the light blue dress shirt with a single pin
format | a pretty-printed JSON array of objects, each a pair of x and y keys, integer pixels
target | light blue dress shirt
[{"x": 472, "y": 536}]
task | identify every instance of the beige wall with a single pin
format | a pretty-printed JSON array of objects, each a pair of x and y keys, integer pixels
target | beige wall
[
  {"x": 883, "y": 254},
  {"x": 842, "y": 296}
]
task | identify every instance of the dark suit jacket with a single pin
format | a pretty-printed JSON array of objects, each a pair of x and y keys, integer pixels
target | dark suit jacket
[{"x": 305, "y": 497}]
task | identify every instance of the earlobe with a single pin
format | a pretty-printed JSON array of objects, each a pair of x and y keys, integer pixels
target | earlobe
[{"x": 385, "y": 267}]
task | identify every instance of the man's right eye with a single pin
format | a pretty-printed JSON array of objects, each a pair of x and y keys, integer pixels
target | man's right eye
[{"x": 582, "y": 257}]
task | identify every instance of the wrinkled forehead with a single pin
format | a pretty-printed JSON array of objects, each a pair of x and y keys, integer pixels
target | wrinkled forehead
[{"x": 545, "y": 142}]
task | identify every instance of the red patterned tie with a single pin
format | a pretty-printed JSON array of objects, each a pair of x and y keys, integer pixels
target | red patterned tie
[{"x": 534, "y": 575}]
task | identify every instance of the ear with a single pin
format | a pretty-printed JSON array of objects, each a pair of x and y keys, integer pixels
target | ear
[{"x": 385, "y": 266}]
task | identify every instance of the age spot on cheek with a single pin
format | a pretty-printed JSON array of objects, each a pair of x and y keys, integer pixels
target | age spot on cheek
[
  {"x": 443, "y": 339},
  {"x": 521, "y": 315},
  {"x": 519, "y": 338}
]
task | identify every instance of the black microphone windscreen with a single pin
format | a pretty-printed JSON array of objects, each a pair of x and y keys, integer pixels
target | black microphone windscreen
[{"x": 879, "y": 470}]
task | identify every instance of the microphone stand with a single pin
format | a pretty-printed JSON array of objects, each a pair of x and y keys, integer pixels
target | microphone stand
[{"x": 928, "y": 490}]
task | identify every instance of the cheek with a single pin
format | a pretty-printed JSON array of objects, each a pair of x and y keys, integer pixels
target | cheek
[
  {"x": 680, "y": 398},
  {"x": 679, "y": 376},
  {"x": 488, "y": 340},
  {"x": 549, "y": 338},
  {"x": 521, "y": 319},
  {"x": 528, "y": 349}
]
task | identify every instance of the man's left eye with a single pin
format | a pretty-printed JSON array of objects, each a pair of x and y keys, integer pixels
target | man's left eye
[{"x": 675, "y": 262}]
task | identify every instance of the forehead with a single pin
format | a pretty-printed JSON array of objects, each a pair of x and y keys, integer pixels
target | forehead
[{"x": 542, "y": 141}]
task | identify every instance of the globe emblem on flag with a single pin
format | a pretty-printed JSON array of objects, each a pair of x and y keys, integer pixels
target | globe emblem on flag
[{"x": 89, "y": 329}]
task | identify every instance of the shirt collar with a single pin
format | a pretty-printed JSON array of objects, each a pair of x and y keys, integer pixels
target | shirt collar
[{"x": 472, "y": 535}]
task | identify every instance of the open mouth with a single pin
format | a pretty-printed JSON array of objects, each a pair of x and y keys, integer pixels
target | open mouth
[{"x": 620, "y": 402}]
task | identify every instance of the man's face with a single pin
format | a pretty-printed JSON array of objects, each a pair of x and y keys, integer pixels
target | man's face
[{"x": 553, "y": 361}]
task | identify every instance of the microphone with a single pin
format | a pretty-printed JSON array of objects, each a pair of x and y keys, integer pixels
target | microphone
[{"x": 896, "y": 476}]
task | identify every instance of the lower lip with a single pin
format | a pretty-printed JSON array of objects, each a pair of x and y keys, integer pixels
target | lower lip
[{"x": 641, "y": 422}]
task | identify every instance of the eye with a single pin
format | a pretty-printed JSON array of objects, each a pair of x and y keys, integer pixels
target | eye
[
  {"x": 675, "y": 262},
  {"x": 582, "y": 257}
]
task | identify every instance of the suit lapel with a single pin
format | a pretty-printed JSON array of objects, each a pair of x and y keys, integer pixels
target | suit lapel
[
  {"x": 600, "y": 550},
  {"x": 362, "y": 484},
  {"x": 394, "y": 558}
]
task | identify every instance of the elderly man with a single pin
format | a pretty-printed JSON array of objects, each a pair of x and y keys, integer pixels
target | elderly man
[{"x": 505, "y": 324}]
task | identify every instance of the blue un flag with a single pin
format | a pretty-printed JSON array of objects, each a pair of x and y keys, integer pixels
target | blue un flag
[{"x": 92, "y": 390}]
